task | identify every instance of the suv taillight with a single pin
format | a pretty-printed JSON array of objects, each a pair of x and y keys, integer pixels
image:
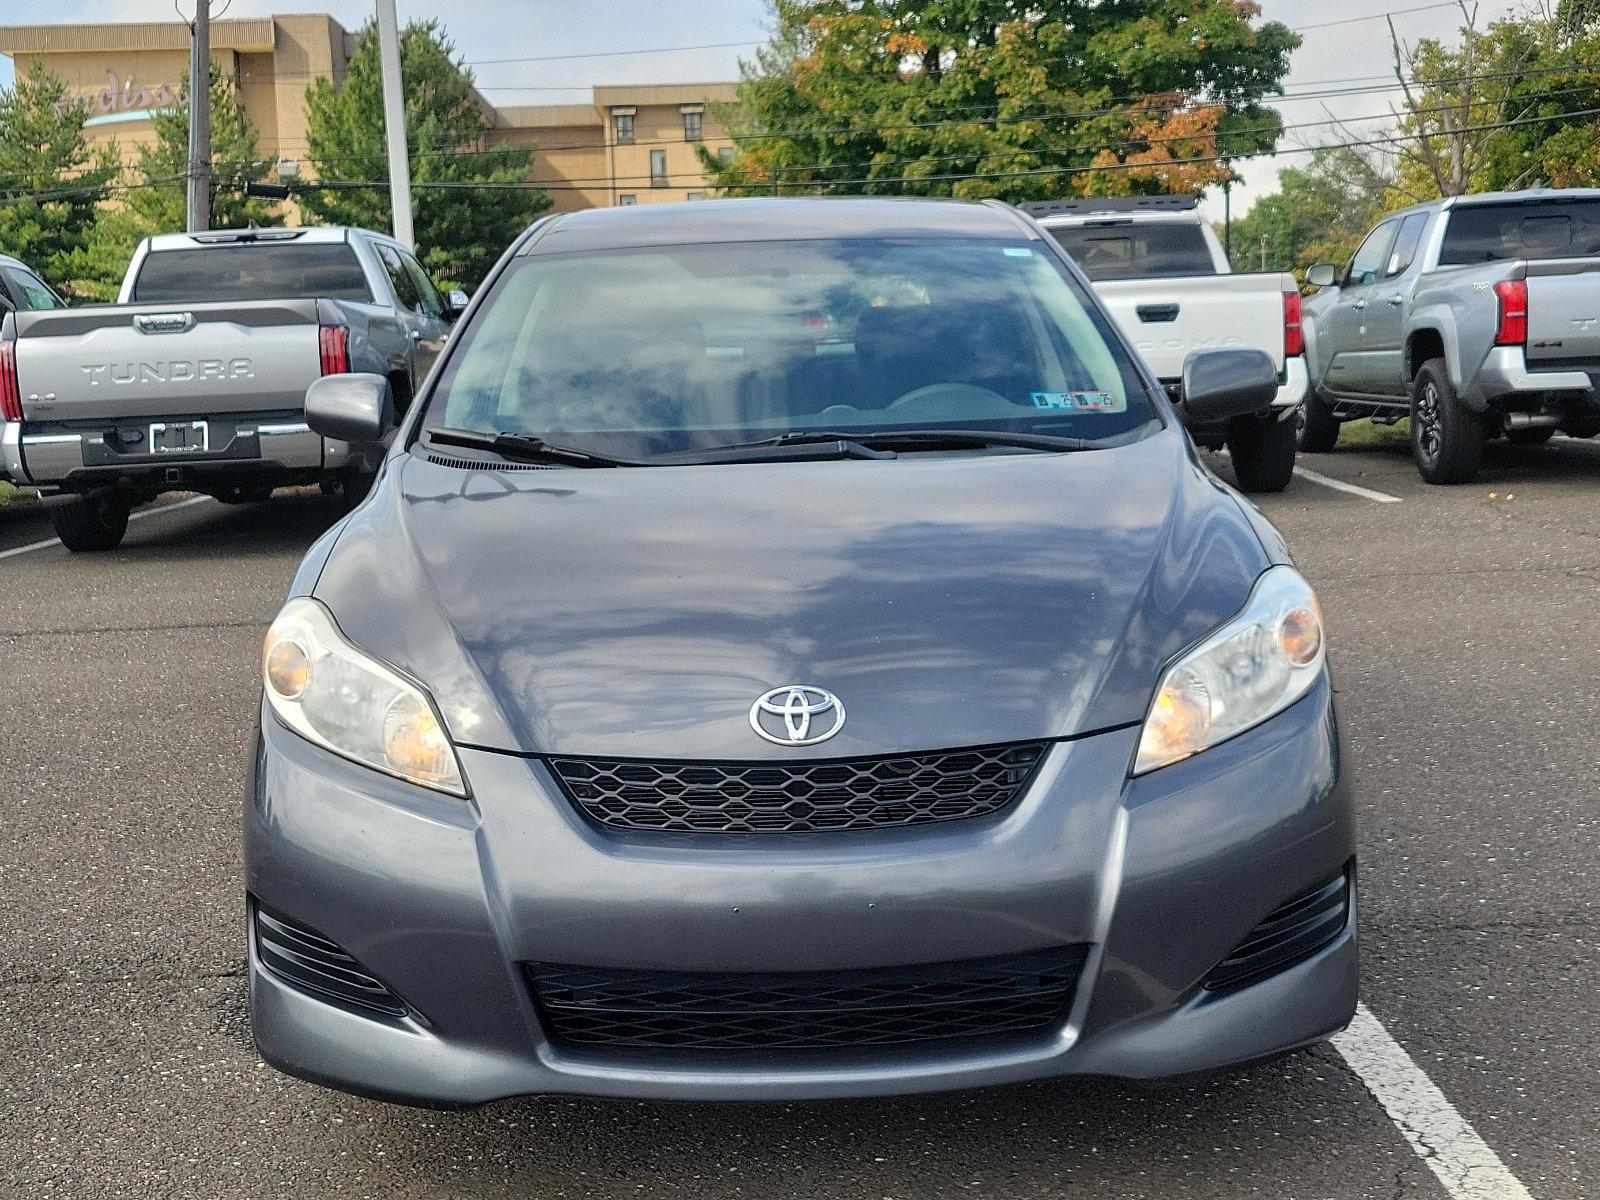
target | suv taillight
[
  {"x": 1294, "y": 338},
  {"x": 1512, "y": 328},
  {"x": 10, "y": 393},
  {"x": 335, "y": 342}
]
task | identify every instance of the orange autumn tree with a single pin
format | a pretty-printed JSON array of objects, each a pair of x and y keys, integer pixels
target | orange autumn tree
[
  {"x": 991, "y": 98},
  {"x": 1169, "y": 146}
]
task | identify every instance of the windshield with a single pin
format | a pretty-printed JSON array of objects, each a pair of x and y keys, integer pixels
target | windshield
[
  {"x": 1478, "y": 233},
  {"x": 252, "y": 271},
  {"x": 1154, "y": 249},
  {"x": 678, "y": 348}
]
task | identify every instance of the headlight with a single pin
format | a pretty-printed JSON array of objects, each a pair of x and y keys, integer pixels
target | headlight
[
  {"x": 331, "y": 693},
  {"x": 1256, "y": 665}
]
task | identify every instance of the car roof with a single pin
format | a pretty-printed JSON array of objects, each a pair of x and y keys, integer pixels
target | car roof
[
  {"x": 1477, "y": 199},
  {"x": 771, "y": 219}
]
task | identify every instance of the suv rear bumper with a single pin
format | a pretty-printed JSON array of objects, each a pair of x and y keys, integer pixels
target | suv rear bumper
[
  {"x": 1295, "y": 381},
  {"x": 1505, "y": 372},
  {"x": 52, "y": 456}
]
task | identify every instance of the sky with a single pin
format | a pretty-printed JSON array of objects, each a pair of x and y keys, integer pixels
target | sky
[{"x": 1344, "y": 39}]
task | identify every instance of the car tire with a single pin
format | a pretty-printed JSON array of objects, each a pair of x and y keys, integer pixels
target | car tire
[
  {"x": 1317, "y": 427},
  {"x": 1446, "y": 436},
  {"x": 88, "y": 524},
  {"x": 1530, "y": 437},
  {"x": 1263, "y": 450}
]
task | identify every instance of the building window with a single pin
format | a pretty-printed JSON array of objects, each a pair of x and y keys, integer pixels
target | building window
[
  {"x": 725, "y": 154},
  {"x": 627, "y": 199},
  {"x": 624, "y": 123},
  {"x": 658, "y": 168},
  {"x": 694, "y": 195},
  {"x": 691, "y": 127}
]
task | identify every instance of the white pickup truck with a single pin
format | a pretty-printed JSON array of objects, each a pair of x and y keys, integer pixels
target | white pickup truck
[{"x": 1162, "y": 273}]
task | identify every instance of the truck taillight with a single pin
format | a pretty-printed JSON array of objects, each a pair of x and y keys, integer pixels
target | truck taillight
[
  {"x": 10, "y": 393},
  {"x": 335, "y": 342},
  {"x": 1294, "y": 338},
  {"x": 1512, "y": 328}
]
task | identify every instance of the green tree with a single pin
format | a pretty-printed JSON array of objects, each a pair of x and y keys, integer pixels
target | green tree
[
  {"x": 154, "y": 200},
  {"x": 460, "y": 230},
  {"x": 51, "y": 179},
  {"x": 1319, "y": 213},
  {"x": 991, "y": 98},
  {"x": 1509, "y": 106}
]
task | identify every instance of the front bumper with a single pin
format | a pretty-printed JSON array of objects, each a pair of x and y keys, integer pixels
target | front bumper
[{"x": 1160, "y": 877}]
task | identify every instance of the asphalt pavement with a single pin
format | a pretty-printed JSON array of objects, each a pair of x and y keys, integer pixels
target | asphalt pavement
[{"x": 1464, "y": 651}]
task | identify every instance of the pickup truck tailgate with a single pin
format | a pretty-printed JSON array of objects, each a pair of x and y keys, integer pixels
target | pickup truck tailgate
[
  {"x": 1167, "y": 319},
  {"x": 1564, "y": 310},
  {"x": 140, "y": 360}
]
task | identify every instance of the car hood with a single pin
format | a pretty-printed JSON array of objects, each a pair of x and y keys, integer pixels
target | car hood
[{"x": 947, "y": 599}]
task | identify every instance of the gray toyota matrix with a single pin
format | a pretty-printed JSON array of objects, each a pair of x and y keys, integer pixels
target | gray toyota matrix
[{"x": 792, "y": 649}]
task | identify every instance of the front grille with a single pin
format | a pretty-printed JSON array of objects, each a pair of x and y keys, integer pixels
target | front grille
[
  {"x": 856, "y": 793},
  {"x": 1292, "y": 932},
  {"x": 312, "y": 963},
  {"x": 890, "y": 1006}
]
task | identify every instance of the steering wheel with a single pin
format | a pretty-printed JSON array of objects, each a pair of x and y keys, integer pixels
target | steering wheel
[{"x": 953, "y": 402}]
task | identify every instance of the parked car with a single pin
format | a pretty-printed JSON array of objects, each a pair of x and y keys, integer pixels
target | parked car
[
  {"x": 195, "y": 380},
  {"x": 1477, "y": 317},
  {"x": 1158, "y": 267},
  {"x": 21, "y": 288},
  {"x": 555, "y": 787}
]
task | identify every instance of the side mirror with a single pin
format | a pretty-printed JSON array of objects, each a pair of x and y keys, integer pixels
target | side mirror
[
  {"x": 350, "y": 408},
  {"x": 455, "y": 303},
  {"x": 1322, "y": 275},
  {"x": 1219, "y": 385}
]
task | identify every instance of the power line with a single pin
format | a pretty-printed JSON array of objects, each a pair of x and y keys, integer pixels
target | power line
[
  {"x": 1042, "y": 172},
  {"x": 1121, "y": 110},
  {"x": 1055, "y": 151},
  {"x": 1383, "y": 16}
]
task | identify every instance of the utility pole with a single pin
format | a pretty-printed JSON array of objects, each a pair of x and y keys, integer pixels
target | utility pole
[
  {"x": 1263, "y": 252},
  {"x": 198, "y": 208},
  {"x": 1227, "y": 214},
  {"x": 394, "y": 124}
]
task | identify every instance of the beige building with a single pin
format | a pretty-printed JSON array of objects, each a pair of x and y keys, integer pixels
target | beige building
[{"x": 632, "y": 144}]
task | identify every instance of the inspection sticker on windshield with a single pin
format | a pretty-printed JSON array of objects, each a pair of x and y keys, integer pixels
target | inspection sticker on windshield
[{"x": 1084, "y": 402}]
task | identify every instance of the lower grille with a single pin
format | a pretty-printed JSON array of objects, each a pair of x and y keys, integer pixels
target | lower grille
[
  {"x": 1292, "y": 932},
  {"x": 751, "y": 1011},
  {"x": 858, "y": 793},
  {"x": 312, "y": 963}
]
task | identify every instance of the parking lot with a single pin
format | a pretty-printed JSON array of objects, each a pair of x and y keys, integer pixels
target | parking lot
[{"x": 1464, "y": 651}]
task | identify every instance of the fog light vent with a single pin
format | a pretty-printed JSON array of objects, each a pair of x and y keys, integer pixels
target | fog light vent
[
  {"x": 1292, "y": 932},
  {"x": 305, "y": 959}
]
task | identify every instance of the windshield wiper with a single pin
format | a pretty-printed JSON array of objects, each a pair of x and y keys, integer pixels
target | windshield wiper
[
  {"x": 524, "y": 446},
  {"x": 911, "y": 440}
]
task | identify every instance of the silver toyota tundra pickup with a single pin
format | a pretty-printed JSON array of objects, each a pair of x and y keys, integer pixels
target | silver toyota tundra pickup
[
  {"x": 196, "y": 379},
  {"x": 1477, "y": 317}
]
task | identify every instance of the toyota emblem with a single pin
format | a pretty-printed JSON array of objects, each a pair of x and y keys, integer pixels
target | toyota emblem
[{"x": 797, "y": 716}]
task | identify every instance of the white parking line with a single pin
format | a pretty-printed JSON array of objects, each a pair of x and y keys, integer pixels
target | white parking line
[
  {"x": 1441, "y": 1136},
  {"x": 138, "y": 516},
  {"x": 1340, "y": 485}
]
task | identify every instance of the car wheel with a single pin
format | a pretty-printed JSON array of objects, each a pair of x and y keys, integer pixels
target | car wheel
[
  {"x": 86, "y": 524},
  {"x": 1263, "y": 449},
  {"x": 1316, "y": 428},
  {"x": 1530, "y": 437},
  {"x": 1446, "y": 436}
]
